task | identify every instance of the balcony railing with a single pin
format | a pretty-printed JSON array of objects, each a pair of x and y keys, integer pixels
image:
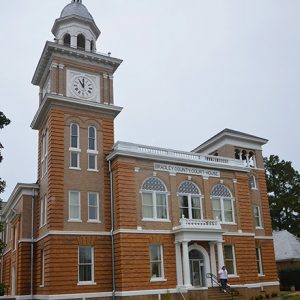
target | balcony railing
[
  {"x": 199, "y": 224},
  {"x": 177, "y": 154}
]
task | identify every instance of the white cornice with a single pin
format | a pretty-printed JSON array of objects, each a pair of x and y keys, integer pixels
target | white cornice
[
  {"x": 51, "y": 48},
  {"x": 62, "y": 101},
  {"x": 176, "y": 156},
  {"x": 21, "y": 189}
]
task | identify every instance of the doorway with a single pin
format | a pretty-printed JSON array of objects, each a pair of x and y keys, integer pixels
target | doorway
[{"x": 197, "y": 269}]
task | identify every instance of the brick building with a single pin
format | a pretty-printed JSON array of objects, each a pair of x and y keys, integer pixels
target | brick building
[{"x": 119, "y": 220}]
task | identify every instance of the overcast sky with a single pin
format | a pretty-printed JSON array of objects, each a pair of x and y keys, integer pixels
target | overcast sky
[{"x": 191, "y": 68}]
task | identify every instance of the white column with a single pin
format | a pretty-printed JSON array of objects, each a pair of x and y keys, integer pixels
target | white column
[
  {"x": 73, "y": 41},
  {"x": 212, "y": 254},
  {"x": 178, "y": 264},
  {"x": 220, "y": 254},
  {"x": 186, "y": 264}
]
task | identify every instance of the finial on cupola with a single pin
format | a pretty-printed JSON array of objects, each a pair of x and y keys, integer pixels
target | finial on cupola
[{"x": 77, "y": 1}]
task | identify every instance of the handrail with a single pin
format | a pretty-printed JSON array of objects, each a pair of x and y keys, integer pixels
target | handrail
[{"x": 214, "y": 279}]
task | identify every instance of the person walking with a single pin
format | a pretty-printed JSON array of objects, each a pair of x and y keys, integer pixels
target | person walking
[{"x": 223, "y": 277}]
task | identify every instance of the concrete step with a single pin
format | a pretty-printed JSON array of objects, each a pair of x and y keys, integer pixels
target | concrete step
[{"x": 217, "y": 294}]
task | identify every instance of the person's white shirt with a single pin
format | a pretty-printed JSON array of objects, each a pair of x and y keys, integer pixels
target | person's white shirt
[{"x": 223, "y": 274}]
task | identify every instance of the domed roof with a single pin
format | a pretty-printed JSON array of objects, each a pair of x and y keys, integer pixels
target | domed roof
[{"x": 76, "y": 8}]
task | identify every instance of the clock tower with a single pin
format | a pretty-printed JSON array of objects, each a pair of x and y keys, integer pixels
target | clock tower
[{"x": 75, "y": 121}]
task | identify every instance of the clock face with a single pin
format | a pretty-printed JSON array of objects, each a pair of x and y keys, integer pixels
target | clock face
[{"x": 83, "y": 87}]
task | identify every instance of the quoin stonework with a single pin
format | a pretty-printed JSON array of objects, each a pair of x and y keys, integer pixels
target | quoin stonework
[{"x": 110, "y": 220}]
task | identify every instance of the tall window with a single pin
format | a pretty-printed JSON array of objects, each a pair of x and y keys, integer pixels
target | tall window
[
  {"x": 190, "y": 205},
  {"x": 154, "y": 196},
  {"x": 74, "y": 206},
  {"x": 259, "y": 261},
  {"x": 92, "y": 149},
  {"x": 85, "y": 264},
  {"x": 93, "y": 204},
  {"x": 42, "y": 268},
  {"x": 74, "y": 149},
  {"x": 229, "y": 259},
  {"x": 67, "y": 39},
  {"x": 222, "y": 204},
  {"x": 156, "y": 262},
  {"x": 81, "y": 42},
  {"x": 253, "y": 182},
  {"x": 44, "y": 156},
  {"x": 43, "y": 212},
  {"x": 257, "y": 216}
]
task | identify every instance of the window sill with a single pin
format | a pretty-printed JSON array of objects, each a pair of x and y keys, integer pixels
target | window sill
[
  {"x": 233, "y": 276},
  {"x": 41, "y": 286},
  {"x": 86, "y": 283},
  {"x": 255, "y": 189},
  {"x": 89, "y": 151},
  {"x": 74, "y": 168},
  {"x": 261, "y": 275},
  {"x": 158, "y": 279},
  {"x": 75, "y": 221},
  {"x": 156, "y": 220},
  {"x": 93, "y": 170},
  {"x": 94, "y": 221},
  {"x": 228, "y": 223},
  {"x": 259, "y": 228},
  {"x": 74, "y": 149}
]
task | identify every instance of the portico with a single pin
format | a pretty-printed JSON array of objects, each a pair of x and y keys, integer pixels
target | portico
[{"x": 193, "y": 261}]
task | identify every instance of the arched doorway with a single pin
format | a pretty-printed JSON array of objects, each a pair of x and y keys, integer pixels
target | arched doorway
[{"x": 197, "y": 268}]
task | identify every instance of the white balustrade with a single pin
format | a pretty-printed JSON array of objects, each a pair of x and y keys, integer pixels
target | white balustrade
[
  {"x": 155, "y": 151},
  {"x": 199, "y": 223}
]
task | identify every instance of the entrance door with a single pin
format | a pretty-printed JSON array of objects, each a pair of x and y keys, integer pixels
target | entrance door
[{"x": 197, "y": 268}]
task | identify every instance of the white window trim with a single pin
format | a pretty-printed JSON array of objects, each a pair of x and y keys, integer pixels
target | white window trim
[
  {"x": 223, "y": 211},
  {"x": 190, "y": 204},
  {"x": 95, "y": 150},
  {"x": 254, "y": 182},
  {"x": 261, "y": 269},
  {"x": 79, "y": 196},
  {"x": 44, "y": 156},
  {"x": 98, "y": 214},
  {"x": 78, "y": 136},
  {"x": 75, "y": 149},
  {"x": 43, "y": 211},
  {"x": 94, "y": 153},
  {"x": 234, "y": 275},
  {"x": 92, "y": 282},
  {"x": 154, "y": 204},
  {"x": 259, "y": 217},
  {"x": 162, "y": 278}
]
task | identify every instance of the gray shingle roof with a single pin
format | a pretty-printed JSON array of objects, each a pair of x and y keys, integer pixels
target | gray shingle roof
[
  {"x": 287, "y": 246},
  {"x": 76, "y": 8}
]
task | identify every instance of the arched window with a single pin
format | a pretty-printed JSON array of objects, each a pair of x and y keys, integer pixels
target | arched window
[
  {"x": 74, "y": 146},
  {"x": 81, "y": 41},
  {"x": 67, "y": 39},
  {"x": 92, "y": 148},
  {"x": 252, "y": 162},
  {"x": 190, "y": 205},
  {"x": 92, "y": 46},
  {"x": 222, "y": 204},
  {"x": 44, "y": 156},
  {"x": 154, "y": 197}
]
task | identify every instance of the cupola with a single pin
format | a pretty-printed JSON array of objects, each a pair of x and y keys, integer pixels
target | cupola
[{"x": 76, "y": 27}]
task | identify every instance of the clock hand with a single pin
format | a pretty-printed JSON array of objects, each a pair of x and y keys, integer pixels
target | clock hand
[{"x": 81, "y": 82}]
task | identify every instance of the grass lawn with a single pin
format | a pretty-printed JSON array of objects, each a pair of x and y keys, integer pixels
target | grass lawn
[{"x": 288, "y": 295}]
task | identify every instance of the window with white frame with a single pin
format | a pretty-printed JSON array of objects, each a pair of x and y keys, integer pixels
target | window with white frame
[
  {"x": 154, "y": 197},
  {"x": 42, "y": 268},
  {"x": 229, "y": 259},
  {"x": 259, "y": 261},
  {"x": 253, "y": 182},
  {"x": 156, "y": 262},
  {"x": 85, "y": 264},
  {"x": 74, "y": 206},
  {"x": 92, "y": 149},
  {"x": 222, "y": 204},
  {"x": 257, "y": 216},
  {"x": 93, "y": 207},
  {"x": 190, "y": 205},
  {"x": 74, "y": 147},
  {"x": 44, "y": 154},
  {"x": 43, "y": 212}
]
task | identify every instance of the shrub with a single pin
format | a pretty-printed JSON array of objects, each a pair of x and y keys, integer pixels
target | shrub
[
  {"x": 290, "y": 277},
  {"x": 2, "y": 289}
]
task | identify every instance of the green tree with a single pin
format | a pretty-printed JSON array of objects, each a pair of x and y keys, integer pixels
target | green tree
[
  {"x": 3, "y": 122},
  {"x": 283, "y": 184}
]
